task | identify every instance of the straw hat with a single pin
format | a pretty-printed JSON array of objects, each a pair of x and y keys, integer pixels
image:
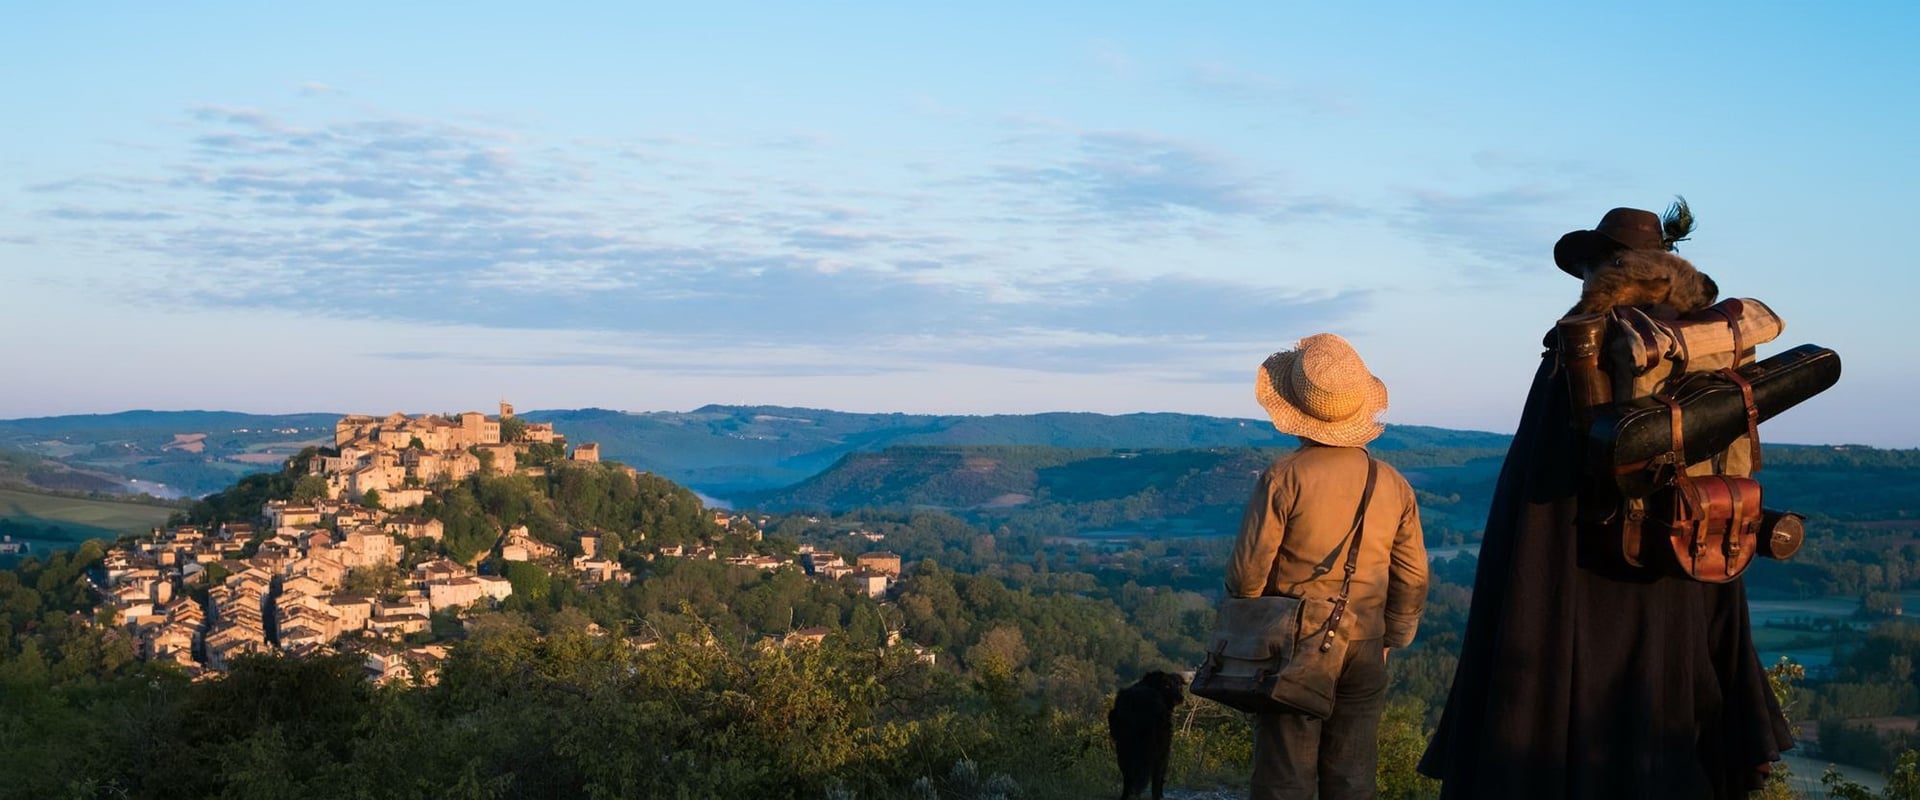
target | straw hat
[{"x": 1321, "y": 390}]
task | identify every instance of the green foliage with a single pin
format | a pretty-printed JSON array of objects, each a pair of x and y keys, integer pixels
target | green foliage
[
  {"x": 1212, "y": 745},
  {"x": 513, "y": 429},
  {"x": 544, "y": 454},
  {"x": 1403, "y": 738},
  {"x": 516, "y": 714},
  {"x": 378, "y": 580},
  {"x": 307, "y": 489},
  {"x": 530, "y": 581},
  {"x": 1903, "y": 782}
]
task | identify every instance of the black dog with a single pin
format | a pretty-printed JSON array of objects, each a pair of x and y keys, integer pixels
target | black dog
[{"x": 1141, "y": 724}]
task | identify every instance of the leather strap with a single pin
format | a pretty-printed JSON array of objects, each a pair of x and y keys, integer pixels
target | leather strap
[
  {"x": 1731, "y": 311},
  {"x": 1683, "y": 355},
  {"x": 1641, "y": 326},
  {"x": 1632, "y": 524},
  {"x": 1735, "y": 525},
  {"x": 1353, "y": 555},
  {"x": 1753, "y": 416},
  {"x": 1677, "y": 436}
]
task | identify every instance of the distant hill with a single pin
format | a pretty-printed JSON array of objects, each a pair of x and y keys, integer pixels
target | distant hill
[
  {"x": 166, "y": 453},
  {"x": 48, "y": 521},
  {"x": 1117, "y": 492},
  {"x": 23, "y": 469},
  {"x": 1199, "y": 491},
  {"x": 726, "y": 451}
]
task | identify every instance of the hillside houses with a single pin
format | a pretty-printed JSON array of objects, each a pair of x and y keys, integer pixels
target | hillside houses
[
  {"x": 289, "y": 594},
  {"x": 335, "y": 572},
  {"x": 880, "y": 561},
  {"x": 397, "y": 456},
  {"x": 410, "y": 527},
  {"x": 520, "y": 545},
  {"x": 824, "y": 564}
]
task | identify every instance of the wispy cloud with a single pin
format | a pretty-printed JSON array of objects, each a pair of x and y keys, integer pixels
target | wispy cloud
[
  {"x": 110, "y": 215},
  {"x": 435, "y": 223},
  {"x": 1130, "y": 174},
  {"x": 1503, "y": 226}
]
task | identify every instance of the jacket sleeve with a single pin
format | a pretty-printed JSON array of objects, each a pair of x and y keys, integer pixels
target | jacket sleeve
[
  {"x": 1261, "y": 528},
  {"x": 1407, "y": 576}
]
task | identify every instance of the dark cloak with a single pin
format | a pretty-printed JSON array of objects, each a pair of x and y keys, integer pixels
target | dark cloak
[{"x": 1580, "y": 678}]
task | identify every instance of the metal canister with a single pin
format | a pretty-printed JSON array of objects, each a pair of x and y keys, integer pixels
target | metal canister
[{"x": 1781, "y": 533}]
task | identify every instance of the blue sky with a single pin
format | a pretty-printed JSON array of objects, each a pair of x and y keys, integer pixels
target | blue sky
[{"x": 989, "y": 208}]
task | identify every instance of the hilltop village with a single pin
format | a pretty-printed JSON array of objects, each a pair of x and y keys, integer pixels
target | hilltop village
[{"x": 349, "y": 564}]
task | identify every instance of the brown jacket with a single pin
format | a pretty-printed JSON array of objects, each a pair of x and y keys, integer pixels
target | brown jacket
[{"x": 1301, "y": 512}]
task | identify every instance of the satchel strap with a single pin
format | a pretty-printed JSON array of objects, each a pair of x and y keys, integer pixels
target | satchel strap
[
  {"x": 1753, "y": 416},
  {"x": 1677, "y": 456},
  {"x": 1733, "y": 310},
  {"x": 1650, "y": 347},
  {"x": 1359, "y": 527},
  {"x": 1353, "y": 555}
]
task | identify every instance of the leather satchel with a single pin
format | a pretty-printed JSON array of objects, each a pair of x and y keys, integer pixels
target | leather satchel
[
  {"x": 1711, "y": 524},
  {"x": 1280, "y": 654}
]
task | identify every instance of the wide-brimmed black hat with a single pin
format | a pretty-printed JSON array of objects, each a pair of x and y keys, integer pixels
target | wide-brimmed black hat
[{"x": 1620, "y": 229}]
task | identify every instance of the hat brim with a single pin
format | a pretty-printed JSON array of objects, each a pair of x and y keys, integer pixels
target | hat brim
[
  {"x": 1576, "y": 249},
  {"x": 1356, "y": 429}
]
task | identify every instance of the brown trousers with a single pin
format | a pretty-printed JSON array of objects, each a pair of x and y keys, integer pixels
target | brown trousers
[{"x": 1295, "y": 755}]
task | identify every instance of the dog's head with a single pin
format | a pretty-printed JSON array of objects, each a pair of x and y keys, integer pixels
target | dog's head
[{"x": 1170, "y": 687}]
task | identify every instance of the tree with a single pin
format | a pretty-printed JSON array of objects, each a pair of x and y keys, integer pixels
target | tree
[
  {"x": 308, "y": 489},
  {"x": 545, "y": 454},
  {"x": 1880, "y": 604},
  {"x": 378, "y": 579},
  {"x": 371, "y": 499},
  {"x": 513, "y": 429},
  {"x": 530, "y": 580}
]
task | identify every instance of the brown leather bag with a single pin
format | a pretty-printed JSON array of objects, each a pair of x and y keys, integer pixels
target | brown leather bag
[{"x": 1712, "y": 525}]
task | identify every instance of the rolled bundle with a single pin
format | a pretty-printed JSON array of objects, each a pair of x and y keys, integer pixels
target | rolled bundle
[
  {"x": 1648, "y": 351},
  {"x": 1631, "y": 440}
]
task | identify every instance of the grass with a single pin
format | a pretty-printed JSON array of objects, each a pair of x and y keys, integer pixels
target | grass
[{"x": 96, "y": 517}]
